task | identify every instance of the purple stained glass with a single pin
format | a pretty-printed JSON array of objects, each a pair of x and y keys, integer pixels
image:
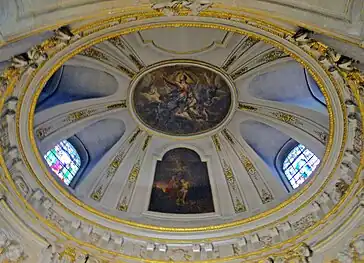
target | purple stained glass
[
  {"x": 64, "y": 161},
  {"x": 299, "y": 165}
]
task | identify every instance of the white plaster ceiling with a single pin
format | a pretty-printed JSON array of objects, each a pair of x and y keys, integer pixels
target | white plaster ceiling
[
  {"x": 275, "y": 106},
  {"x": 341, "y": 17},
  {"x": 275, "y": 84},
  {"x": 72, "y": 83},
  {"x": 294, "y": 89}
]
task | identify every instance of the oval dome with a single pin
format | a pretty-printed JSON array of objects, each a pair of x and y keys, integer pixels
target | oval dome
[
  {"x": 174, "y": 108},
  {"x": 165, "y": 138}
]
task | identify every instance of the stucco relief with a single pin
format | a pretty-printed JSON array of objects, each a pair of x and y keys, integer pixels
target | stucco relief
[
  {"x": 22, "y": 186},
  {"x": 179, "y": 255},
  {"x": 259, "y": 60},
  {"x": 63, "y": 254},
  {"x": 303, "y": 253},
  {"x": 49, "y": 127},
  {"x": 129, "y": 187},
  {"x": 10, "y": 250},
  {"x": 353, "y": 252},
  {"x": 182, "y": 99},
  {"x": 243, "y": 47},
  {"x": 172, "y": 8}
]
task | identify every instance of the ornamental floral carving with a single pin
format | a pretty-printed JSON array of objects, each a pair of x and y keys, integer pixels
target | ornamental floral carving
[
  {"x": 304, "y": 223},
  {"x": 79, "y": 115},
  {"x": 68, "y": 255},
  {"x": 43, "y": 132},
  {"x": 353, "y": 252},
  {"x": 10, "y": 249},
  {"x": 322, "y": 135},
  {"x": 341, "y": 187},
  {"x": 22, "y": 186},
  {"x": 246, "y": 107},
  {"x": 287, "y": 118},
  {"x": 94, "y": 53},
  {"x": 301, "y": 254},
  {"x": 265, "y": 241},
  {"x": 129, "y": 187},
  {"x": 56, "y": 218},
  {"x": 173, "y": 8},
  {"x": 246, "y": 45}
]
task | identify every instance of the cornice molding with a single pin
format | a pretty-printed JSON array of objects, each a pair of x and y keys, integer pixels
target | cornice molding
[
  {"x": 341, "y": 83},
  {"x": 118, "y": 9}
]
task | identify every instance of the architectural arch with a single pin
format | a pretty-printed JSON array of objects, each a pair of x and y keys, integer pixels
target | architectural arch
[
  {"x": 255, "y": 218},
  {"x": 181, "y": 184}
]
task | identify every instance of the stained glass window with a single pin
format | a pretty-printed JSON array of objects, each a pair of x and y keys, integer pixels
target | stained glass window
[
  {"x": 64, "y": 161},
  {"x": 299, "y": 165}
]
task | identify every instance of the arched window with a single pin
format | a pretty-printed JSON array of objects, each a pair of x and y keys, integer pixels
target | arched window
[
  {"x": 299, "y": 164},
  {"x": 64, "y": 161}
]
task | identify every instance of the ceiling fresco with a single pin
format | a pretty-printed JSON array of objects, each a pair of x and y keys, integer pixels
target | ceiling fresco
[
  {"x": 181, "y": 184},
  {"x": 185, "y": 141},
  {"x": 182, "y": 99},
  {"x": 182, "y": 144}
]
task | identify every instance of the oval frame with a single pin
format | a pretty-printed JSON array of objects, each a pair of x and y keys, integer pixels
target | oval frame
[{"x": 188, "y": 62}]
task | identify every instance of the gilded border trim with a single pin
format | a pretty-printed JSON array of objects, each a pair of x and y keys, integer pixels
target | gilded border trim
[
  {"x": 333, "y": 211},
  {"x": 184, "y": 229}
]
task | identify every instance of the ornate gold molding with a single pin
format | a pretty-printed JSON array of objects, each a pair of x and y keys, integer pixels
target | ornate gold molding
[
  {"x": 149, "y": 226},
  {"x": 45, "y": 78},
  {"x": 12, "y": 80}
]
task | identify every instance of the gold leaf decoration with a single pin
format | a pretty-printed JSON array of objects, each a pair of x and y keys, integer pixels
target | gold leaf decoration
[
  {"x": 242, "y": 106},
  {"x": 216, "y": 141}
]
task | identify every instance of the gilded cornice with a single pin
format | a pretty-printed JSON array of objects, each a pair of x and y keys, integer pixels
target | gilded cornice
[
  {"x": 337, "y": 76},
  {"x": 255, "y": 14},
  {"x": 158, "y": 228}
]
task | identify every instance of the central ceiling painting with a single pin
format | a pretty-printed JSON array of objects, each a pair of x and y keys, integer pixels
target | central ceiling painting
[{"x": 181, "y": 100}]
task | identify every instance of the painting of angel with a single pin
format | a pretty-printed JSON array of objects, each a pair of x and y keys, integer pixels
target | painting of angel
[
  {"x": 182, "y": 99},
  {"x": 181, "y": 184}
]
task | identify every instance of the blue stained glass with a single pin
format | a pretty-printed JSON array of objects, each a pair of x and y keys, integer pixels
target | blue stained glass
[
  {"x": 64, "y": 161},
  {"x": 286, "y": 164},
  {"x": 299, "y": 165},
  {"x": 301, "y": 147},
  {"x": 290, "y": 172},
  {"x": 308, "y": 153}
]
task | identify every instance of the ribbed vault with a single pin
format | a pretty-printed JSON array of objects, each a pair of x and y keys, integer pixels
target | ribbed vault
[
  {"x": 287, "y": 110},
  {"x": 217, "y": 194}
]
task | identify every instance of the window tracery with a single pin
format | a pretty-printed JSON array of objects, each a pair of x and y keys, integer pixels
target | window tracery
[
  {"x": 299, "y": 164},
  {"x": 64, "y": 161}
]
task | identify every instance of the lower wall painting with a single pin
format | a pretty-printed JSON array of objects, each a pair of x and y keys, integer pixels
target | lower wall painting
[{"x": 181, "y": 184}]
